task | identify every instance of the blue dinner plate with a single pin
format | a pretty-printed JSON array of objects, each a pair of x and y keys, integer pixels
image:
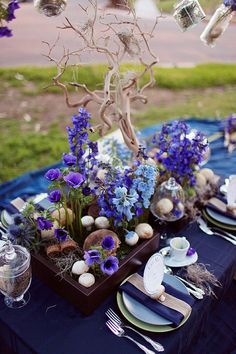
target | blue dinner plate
[
  {"x": 220, "y": 218},
  {"x": 143, "y": 313}
]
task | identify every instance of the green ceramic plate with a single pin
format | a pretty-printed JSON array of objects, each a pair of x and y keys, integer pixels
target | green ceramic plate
[
  {"x": 144, "y": 325},
  {"x": 217, "y": 223}
]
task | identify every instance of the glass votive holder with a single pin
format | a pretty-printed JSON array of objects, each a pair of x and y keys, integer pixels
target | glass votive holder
[
  {"x": 50, "y": 7},
  {"x": 188, "y": 13}
]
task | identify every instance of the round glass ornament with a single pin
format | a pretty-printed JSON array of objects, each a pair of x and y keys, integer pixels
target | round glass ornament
[{"x": 168, "y": 201}]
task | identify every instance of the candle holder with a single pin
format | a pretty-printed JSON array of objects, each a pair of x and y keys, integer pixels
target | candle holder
[
  {"x": 50, "y": 7},
  {"x": 188, "y": 13}
]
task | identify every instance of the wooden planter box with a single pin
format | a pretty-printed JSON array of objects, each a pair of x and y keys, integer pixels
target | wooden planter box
[{"x": 87, "y": 299}]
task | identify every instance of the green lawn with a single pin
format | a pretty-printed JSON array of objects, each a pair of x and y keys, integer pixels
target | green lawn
[
  {"x": 23, "y": 149},
  {"x": 32, "y": 80}
]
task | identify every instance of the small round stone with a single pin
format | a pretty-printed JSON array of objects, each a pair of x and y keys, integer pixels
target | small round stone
[{"x": 86, "y": 279}]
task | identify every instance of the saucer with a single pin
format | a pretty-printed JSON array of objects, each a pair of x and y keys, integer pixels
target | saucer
[{"x": 170, "y": 262}]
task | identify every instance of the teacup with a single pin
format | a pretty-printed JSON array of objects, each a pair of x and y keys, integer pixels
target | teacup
[{"x": 178, "y": 248}]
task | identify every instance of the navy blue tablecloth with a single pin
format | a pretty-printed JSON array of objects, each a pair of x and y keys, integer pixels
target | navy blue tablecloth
[{"x": 50, "y": 325}]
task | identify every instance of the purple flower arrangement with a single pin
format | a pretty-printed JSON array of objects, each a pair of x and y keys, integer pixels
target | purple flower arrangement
[
  {"x": 100, "y": 258},
  {"x": 179, "y": 152},
  {"x": 229, "y": 128},
  {"x": 7, "y": 14},
  {"x": 70, "y": 189},
  {"x": 124, "y": 195}
]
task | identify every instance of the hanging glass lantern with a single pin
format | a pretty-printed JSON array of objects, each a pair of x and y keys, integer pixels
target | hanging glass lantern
[
  {"x": 217, "y": 25},
  {"x": 188, "y": 13},
  {"x": 168, "y": 201},
  {"x": 50, "y": 7}
]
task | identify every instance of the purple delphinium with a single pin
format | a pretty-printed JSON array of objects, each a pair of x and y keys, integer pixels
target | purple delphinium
[
  {"x": 12, "y": 6},
  {"x": 179, "y": 151},
  {"x": 54, "y": 196},
  {"x": 91, "y": 257},
  {"x": 69, "y": 160},
  {"x": 229, "y": 124},
  {"x": 60, "y": 234},
  {"x": 44, "y": 224},
  {"x": 108, "y": 243},
  {"x": 231, "y": 3},
  {"x": 52, "y": 174},
  {"x": 5, "y": 32},
  {"x": 79, "y": 142},
  {"x": 110, "y": 265},
  {"x": 74, "y": 179}
]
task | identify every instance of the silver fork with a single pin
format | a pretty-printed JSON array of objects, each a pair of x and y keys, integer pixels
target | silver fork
[
  {"x": 203, "y": 226},
  {"x": 118, "y": 331},
  {"x": 117, "y": 320}
]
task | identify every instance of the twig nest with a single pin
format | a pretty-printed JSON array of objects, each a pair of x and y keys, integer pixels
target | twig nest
[
  {"x": 63, "y": 215},
  {"x": 102, "y": 222},
  {"x": 208, "y": 174},
  {"x": 200, "y": 180},
  {"x": 53, "y": 250},
  {"x": 68, "y": 246},
  {"x": 164, "y": 206},
  {"x": 131, "y": 238},
  {"x": 79, "y": 267},
  {"x": 86, "y": 279},
  {"x": 101, "y": 174},
  {"x": 96, "y": 238},
  {"x": 49, "y": 234},
  {"x": 87, "y": 222},
  {"x": 144, "y": 230}
]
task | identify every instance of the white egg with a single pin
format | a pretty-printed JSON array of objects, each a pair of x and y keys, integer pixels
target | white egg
[
  {"x": 131, "y": 238},
  {"x": 102, "y": 222},
  {"x": 144, "y": 230},
  {"x": 164, "y": 206},
  {"x": 79, "y": 267},
  {"x": 86, "y": 279}
]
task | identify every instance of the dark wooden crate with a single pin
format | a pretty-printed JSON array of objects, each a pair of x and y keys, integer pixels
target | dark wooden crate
[{"x": 87, "y": 299}]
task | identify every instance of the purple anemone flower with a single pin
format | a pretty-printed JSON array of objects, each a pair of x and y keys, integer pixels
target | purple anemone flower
[
  {"x": 69, "y": 160},
  {"x": 110, "y": 265},
  {"x": 108, "y": 243},
  {"x": 12, "y": 6},
  {"x": 44, "y": 224},
  {"x": 74, "y": 179},
  {"x": 52, "y": 174},
  {"x": 91, "y": 257},
  {"x": 5, "y": 32},
  {"x": 54, "y": 196},
  {"x": 61, "y": 234}
]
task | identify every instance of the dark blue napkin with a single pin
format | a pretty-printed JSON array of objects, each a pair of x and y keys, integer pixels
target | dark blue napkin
[
  {"x": 219, "y": 211},
  {"x": 172, "y": 315}
]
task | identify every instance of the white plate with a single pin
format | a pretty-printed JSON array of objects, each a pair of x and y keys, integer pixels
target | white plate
[
  {"x": 142, "y": 313},
  {"x": 221, "y": 218},
  {"x": 170, "y": 262},
  {"x": 1, "y": 243}
]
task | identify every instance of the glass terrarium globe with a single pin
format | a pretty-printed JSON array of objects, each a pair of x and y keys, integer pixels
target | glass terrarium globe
[
  {"x": 50, "y": 7},
  {"x": 168, "y": 201},
  {"x": 15, "y": 275}
]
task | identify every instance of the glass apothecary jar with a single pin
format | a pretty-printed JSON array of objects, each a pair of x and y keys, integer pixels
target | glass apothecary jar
[{"x": 15, "y": 275}]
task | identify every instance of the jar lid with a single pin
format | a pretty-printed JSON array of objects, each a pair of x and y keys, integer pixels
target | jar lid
[{"x": 14, "y": 260}]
